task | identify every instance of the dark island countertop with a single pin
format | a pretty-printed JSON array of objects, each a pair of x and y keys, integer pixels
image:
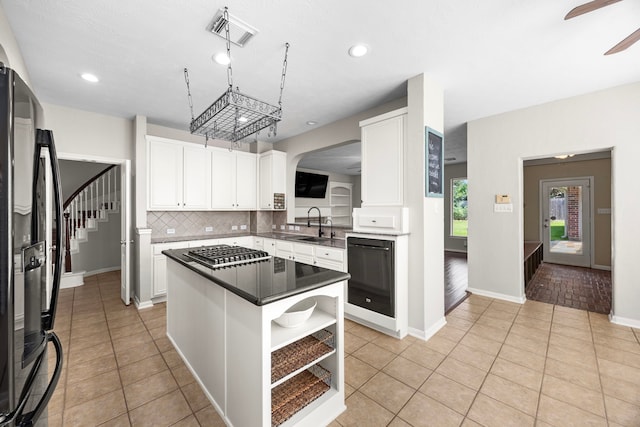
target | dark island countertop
[{"x": 262, "y": 282}]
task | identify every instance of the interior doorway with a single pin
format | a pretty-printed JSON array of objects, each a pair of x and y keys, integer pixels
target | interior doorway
[
  {"x": 567, "y": 211},
  {"x": 565, "y": 221},
  {"x": 125, "y": 216}
]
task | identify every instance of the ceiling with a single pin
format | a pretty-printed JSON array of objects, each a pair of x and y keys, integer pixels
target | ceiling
[{"x": 490, "y": 57}]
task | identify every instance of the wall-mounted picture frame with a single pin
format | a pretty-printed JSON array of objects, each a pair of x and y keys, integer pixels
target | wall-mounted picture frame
[{"x": 434, "y": 162}]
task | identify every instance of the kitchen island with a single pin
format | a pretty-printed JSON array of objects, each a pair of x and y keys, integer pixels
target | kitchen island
[{"x": 255, "y": 372}]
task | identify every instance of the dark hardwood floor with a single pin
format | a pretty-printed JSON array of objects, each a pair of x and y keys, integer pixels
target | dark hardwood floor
[{"x": 455, "y": 279}]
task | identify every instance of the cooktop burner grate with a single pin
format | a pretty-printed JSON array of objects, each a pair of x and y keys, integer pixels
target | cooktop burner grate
[{"x": 225, "y": 255}]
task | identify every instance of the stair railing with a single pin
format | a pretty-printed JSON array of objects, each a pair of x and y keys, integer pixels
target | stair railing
[{"x": 90, "y": 202}]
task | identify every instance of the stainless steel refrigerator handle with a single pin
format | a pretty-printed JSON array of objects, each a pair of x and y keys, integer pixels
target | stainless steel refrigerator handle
[
  {"x": 375, "y": 248},
  {"x": 44, "y": 138},
  {"x": 28, "y": 420}
]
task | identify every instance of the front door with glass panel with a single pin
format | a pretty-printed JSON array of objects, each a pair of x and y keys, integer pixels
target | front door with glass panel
[{"x": 566, "y": 221}]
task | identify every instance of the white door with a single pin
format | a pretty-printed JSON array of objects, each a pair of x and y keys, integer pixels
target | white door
[
  {"x": 566, "y": 221},
  {"x": 125, "y": 232}
]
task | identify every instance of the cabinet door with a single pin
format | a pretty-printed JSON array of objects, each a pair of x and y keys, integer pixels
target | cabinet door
[
  {"x": 266, "y": 193},
  {"x": 197, "y": 178},
  {"x": 246, "y": 181},
  {"x": 159, "y": 275},
  {"x": 382, "y": 162},
  {"x": 223, "y": 180},
  {"x": 165, "y": 176},
  {"x": 269, "y": 246}
]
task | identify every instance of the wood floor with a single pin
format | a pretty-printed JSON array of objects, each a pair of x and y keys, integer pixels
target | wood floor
[{"x": 455, "y": 279}]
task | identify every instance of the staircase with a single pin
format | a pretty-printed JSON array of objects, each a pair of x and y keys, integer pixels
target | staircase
[{"x": 84, "y": 210}]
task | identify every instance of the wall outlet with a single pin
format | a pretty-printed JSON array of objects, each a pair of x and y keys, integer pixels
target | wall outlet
[
  {"x": 282, "y": 227},
  {"x": 291, "y": 228},
  {"x": 297, "y": 228},
  {"x": 234, "y": 228},
  {"x": 243, "y": 227},
  {"x": 273, "y": 226},
  {"x": 207, "y": 229},
  {"x": 171, "y": 231}
]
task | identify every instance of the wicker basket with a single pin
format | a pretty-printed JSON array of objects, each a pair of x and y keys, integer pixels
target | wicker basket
[
  {"x": 297, "y": 392},
  {"x": 300, "y": 353}
]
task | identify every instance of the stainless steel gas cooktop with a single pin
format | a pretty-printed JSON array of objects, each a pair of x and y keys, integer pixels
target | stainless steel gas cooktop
[{"x": 224, "y": 255}]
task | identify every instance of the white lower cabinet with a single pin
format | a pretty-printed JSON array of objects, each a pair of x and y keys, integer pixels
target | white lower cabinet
[
  {"x": 159, "y": 278},
  {"x": 269, "y": 246},
  {"x": 321, "y": 256}
]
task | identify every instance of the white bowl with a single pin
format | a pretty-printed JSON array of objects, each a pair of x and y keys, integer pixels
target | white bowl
[{"x": 297, "y": 314}]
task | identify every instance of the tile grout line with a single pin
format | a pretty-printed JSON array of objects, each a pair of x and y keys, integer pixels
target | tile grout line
[
  {"x": 593, "y": 343},
  {"x": 124, "y": 396}
]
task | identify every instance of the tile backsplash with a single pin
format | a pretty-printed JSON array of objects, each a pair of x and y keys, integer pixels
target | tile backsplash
[{"x": 195, "y": 223}]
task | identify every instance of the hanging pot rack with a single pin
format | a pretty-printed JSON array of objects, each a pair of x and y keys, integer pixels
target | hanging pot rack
[{"x": 234, "y": 116}]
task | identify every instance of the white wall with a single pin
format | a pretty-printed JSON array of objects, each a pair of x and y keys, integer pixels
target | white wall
[
  {"x": 73, "y": 174},
  {"x": 497, "y": 145},
  {"x": 9, "y": 46},
  {"x": 101, "y": 251},
  {"x": 91, "y": 134}
]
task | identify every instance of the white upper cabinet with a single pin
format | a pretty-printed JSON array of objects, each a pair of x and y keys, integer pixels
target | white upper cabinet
[
  {"x": 233, "y": 180},
  {"x": 273, "y": 180},
  {"x": 383, "y": 140},
  {"x": 246, "y": 181},
  {"x": 196, "y": 178},
  {"x": 165, "y": 175}
]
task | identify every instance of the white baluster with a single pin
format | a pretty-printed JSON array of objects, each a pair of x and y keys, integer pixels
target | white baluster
[
  {"x": 103, "y": 206},
  {"x": 90, "y": 214},
  {"x": 109, "y": 188}
]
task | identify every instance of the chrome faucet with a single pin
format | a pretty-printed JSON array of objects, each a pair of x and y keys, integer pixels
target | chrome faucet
[{"x": 320, "y": 232}]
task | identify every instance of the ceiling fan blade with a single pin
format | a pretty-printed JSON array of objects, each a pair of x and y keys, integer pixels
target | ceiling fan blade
[
  {"x": 628, "y": 41},
  {"x": 589, "y": 7}
]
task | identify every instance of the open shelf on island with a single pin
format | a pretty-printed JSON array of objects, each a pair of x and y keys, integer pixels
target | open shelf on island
[
  {"x": 281, "y": 337},
  {"x": 299, "y": 391}
]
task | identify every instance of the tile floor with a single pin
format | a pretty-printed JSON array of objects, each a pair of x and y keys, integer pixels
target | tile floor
[
  {"x": 569, "y": 286},
  {"x": 493, "y": 364}
]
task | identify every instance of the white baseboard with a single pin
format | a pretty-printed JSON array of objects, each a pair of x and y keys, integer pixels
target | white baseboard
[
  {"x": 72, "y": 280},
  {"x": 497, "y": 295},
  {"x": 102, "y": 270},
  {"x": 425, "y": 335},
  {"x": 142, "y": 305},
  {"x": 601, "y": 267},
  {"x": 624, "y": 321}
]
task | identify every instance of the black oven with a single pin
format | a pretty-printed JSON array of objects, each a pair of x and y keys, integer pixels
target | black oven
[{"x": 372, "y": 270}]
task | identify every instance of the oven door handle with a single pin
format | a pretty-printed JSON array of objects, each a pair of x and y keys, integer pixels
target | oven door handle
[{"x": 375, "y": 248}]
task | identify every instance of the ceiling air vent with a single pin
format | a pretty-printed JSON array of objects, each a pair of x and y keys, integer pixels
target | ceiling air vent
[{"x": 239, "y": 31}]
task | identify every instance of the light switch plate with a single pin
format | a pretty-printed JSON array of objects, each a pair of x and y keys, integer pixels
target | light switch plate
[
  {"x": 503, "y": 207},
  {"x": 171, "y": 231},
  {"x": 291, "y": 228},
  {"x": 207, "y": 229},
  {"x": 282, "y": 227},
  {"x": 234, "y": 227},
  {"x": 243, "y": 227},
  {"x": 297, "y": 228}
]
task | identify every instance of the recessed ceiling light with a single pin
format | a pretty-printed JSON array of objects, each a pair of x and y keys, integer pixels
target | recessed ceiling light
[
  {"x": 90, "y": 77},
  {"x": 312, "y": 123},
  {"x": 221, "y": 58},
  {"x": 358, "y": 50}
]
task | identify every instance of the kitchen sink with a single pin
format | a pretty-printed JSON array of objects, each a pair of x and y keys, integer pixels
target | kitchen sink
[{"x": 309, "y": 239}]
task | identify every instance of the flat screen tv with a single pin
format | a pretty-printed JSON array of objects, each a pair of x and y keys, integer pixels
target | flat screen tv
[{"x": 311, "y": 185}]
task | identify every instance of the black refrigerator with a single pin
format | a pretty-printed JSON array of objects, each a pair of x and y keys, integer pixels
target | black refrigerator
[{"x": 27, "y": 303}]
